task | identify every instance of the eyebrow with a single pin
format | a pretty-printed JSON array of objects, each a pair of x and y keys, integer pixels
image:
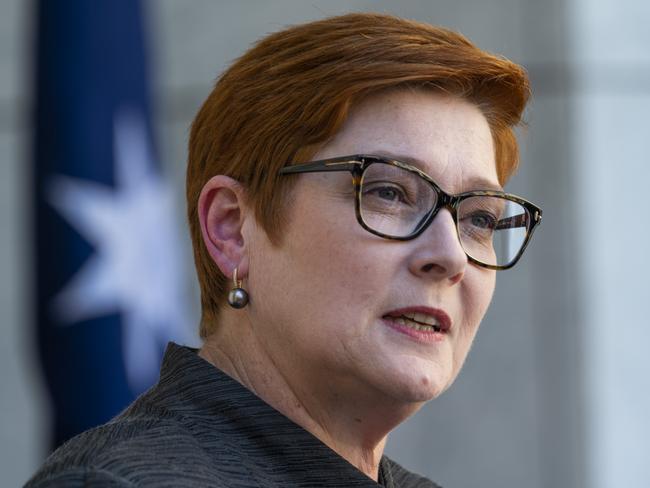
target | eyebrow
[{"x": 474, "y": 182}]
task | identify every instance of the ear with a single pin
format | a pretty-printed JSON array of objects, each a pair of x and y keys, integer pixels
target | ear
[{"x": 221, "y": 215}]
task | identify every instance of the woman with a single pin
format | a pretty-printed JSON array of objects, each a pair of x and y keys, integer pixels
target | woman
[{"x": 346, "y": 208}]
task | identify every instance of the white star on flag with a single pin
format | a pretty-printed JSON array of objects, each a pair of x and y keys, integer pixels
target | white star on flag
[{"x": 136, "y": 265}]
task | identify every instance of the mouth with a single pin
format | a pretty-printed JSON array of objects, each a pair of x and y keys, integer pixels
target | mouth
[{"x": 420, "y": 319}]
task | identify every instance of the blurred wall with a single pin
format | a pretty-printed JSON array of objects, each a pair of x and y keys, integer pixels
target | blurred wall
[
  {"x": 23, "y": 410},
  {"x": 551, "y": 389},
  {"x": 611, "y": 106}
]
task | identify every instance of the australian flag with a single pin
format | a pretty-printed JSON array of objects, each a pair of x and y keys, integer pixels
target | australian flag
[{"x": 108, "y": 271}]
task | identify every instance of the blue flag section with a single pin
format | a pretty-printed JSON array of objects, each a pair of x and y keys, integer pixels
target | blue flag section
[{"x": 108, "y": 269}]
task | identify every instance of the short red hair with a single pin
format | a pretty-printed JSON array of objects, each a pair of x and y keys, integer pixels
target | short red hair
[{"x": 291, "y": 93}]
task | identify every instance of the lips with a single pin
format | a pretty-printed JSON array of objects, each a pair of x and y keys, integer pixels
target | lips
[{"x": 423, "y": 319}]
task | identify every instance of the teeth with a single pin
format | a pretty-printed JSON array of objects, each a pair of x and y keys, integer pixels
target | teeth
[
  {"x": 422, "y": 318},
  {"x": 413, "y": 323}
]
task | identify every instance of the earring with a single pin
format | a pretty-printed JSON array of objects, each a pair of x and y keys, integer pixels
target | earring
[{"x": 237, "y": 297}]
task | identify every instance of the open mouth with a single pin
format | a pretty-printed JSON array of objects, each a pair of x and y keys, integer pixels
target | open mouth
[{"x": 422, "y": 322}]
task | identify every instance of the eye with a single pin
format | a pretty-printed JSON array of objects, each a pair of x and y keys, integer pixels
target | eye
[
  {"x": 385, "y": 191},
  {"x": 482, "y": 220}
]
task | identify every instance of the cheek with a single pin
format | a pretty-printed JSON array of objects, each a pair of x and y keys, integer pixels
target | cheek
[
  {"x": 337, "y": 279},
  {"x": 477, "y": 291},
  {"x": 330, "y": 254},
  {"x": 321, "y": 280},
  {"x": 480, "y": 291}
]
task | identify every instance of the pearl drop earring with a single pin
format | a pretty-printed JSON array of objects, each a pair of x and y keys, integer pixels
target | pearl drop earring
[{"x": 237, "y": 297}]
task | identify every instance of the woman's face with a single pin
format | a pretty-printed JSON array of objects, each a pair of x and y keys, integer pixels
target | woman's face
[{"x": 325, "y": 303}]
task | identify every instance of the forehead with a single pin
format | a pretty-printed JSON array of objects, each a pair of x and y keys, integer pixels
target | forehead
[{"x": 446, "y": 136}]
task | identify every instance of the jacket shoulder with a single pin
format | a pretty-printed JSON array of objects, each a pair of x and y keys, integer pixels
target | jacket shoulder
[
  {"x": 403, "y": 478},
  {"x": 75, "y": 477},
  {"x": 127, "y": 451}
]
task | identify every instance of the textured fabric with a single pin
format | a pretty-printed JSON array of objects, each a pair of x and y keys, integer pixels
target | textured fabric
[{"x": 199, "y": 427}]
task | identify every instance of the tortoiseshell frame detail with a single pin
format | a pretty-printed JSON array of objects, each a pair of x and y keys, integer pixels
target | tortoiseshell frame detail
[{"x": 358, "y": 163}]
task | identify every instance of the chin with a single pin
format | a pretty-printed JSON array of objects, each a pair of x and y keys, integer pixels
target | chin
[{"x": 417, "y": 385}]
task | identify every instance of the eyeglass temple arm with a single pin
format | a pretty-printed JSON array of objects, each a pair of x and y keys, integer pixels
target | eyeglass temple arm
[
  {"x": 320, "y": 167},
  {"x": 520, "y": 220}
]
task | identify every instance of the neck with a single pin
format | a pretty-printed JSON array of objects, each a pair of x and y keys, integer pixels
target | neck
[{"x": 354, "y": 425}]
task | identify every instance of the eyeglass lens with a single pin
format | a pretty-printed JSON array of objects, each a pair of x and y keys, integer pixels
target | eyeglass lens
[{"x": 397, "y": 202}]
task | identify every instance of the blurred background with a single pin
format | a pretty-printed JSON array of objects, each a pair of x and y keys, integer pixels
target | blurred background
[{"x": 556, "y": 389}]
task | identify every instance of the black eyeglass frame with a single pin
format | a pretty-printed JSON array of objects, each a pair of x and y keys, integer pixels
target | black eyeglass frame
[{"x": 357, "y": 165}]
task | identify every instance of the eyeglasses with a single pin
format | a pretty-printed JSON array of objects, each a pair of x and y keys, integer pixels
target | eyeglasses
[{"x": 397, "y": 201}]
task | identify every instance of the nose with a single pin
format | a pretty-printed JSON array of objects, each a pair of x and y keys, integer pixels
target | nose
[{"x": 438, "y": 254}]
